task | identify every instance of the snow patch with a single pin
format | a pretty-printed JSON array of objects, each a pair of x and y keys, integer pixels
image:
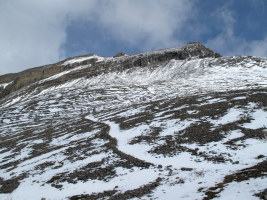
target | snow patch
[
  {"x": 81, "y": 59},
  {"x": 259, "y": 120},
  {"x": 64, "y": 73},
  {"x": 4, "y": 85},
  {"x": 232, "y": 115}
]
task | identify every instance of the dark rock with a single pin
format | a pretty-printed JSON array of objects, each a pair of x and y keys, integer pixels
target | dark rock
[
  {"x": 119, "y": 54},
  {"x": 186, "y": 169},
  {"x": 260, "y": 156},
  {"x": 264, "y": 194}
]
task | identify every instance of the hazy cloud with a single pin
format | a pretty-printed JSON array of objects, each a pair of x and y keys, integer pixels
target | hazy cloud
[
  {"x": 228, "y": 43},
  {"x": 151, "y": 23}
]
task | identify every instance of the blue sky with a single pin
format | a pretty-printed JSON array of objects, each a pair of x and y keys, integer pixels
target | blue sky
[{"x": 34, "y": 33}]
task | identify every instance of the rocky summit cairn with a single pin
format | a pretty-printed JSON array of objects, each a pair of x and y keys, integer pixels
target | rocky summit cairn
[{"x": 119, "y": 54}]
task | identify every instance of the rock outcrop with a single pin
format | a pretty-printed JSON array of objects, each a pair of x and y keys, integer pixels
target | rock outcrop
[{"x": 119, "y": 62}]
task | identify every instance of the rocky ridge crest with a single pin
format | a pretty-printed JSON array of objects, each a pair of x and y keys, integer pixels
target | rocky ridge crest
[{"x": 119, "y": 62}]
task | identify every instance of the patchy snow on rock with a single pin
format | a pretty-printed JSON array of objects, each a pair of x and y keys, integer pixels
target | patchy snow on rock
[
  {"x": 259, "y": 120},
  {"x": 4, "y": 85},
  {"x": 81, "y": 59},
  {"x": 64, "y": 73},
  {"x": 243, "y": 190},
  {"x": 232, "y": 115}
]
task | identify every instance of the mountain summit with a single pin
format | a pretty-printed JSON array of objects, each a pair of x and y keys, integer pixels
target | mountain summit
[
  {"x": 190, "y": 51},
  {"x": 177, "y": 123}
]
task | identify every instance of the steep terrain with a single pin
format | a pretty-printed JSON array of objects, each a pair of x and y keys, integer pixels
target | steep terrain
[{"x": 178, "y": 123}]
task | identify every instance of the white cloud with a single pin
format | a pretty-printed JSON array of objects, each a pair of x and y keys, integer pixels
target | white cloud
[
  {"x": 33, "y": 32},
  {"x": 258, "y": 47},
  {"x": 228, "y": 43},
  {"x": 151, "y": 23}
]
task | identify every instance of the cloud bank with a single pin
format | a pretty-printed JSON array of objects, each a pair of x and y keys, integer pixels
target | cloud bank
[
  {"x": 34, "y": 33},
  {"x": 151, "y": 23}
]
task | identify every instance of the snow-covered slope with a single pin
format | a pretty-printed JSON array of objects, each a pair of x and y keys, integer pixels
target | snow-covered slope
[{"x": 159, "y": 125}]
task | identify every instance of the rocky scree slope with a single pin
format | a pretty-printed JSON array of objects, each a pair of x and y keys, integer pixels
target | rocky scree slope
[{"x": 178, "y": 123}]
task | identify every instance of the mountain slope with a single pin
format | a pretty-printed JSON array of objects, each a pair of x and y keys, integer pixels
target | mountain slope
[{"x": 179, "y": 123}]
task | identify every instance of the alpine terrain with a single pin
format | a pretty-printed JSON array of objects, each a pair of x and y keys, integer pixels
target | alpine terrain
[{"x": 178, "y": 123}]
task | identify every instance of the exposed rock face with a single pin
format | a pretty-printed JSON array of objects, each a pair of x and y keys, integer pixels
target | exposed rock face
[
  {"x": 27, "y": 77},
  {"x": 120, "y": 62}
]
